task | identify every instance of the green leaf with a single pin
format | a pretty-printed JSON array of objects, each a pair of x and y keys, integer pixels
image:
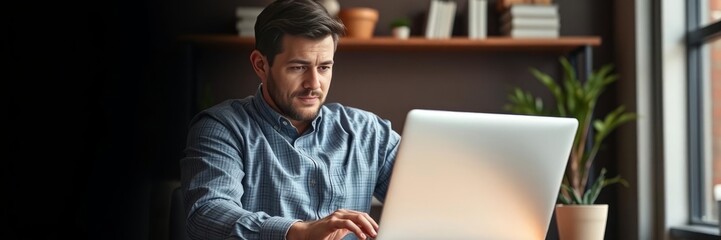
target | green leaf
[
  {"x": 569, "y": 72},
  {"x": 599, "y": 125},
  {"x": 595, "y": 190},
  {"x": 575, "y": 198},
  {"x": 562, "y": 198},
  {"x": 600, "y": 183},
  {"x": 611, "y": 122},
  {"x": 523, "y": 102},
  {"x": 400, "y": 22}
]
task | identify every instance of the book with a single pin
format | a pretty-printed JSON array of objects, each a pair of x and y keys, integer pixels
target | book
[
  {"x": 246, "y": 33},
  {"x": 531, "y": 33},
  {"x": 246, "y": 20},
  {"x": 441, "y": 16},
  {"x": 477, "y": 18},
  {"x": 530, "y": 10},
  {"x": 473, "y": 18},
  {"x": 432, "y": 18},
  {"x": 244, "y": 24},
  {"x": 246, "y": 28},
  {"x": 247, "y": 12},
  {"x": 526, "y": 22},
  {"x": 502, "y": 5},
  {"x": 531, "y": 20},
  {"x": 441, "y": 19},
  {"x": 449, "y": 17}
]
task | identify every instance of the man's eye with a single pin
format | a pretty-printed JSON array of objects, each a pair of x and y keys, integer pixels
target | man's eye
[
  {"x": 324, "y": 68},
  {"x": 297, "y": 68}
]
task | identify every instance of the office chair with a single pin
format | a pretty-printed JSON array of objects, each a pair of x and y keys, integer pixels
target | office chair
[{"x": 177, "y": 216}]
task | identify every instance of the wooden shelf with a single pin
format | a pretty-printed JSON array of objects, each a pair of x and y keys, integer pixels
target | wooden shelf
[{"x": 561, "y": 45}]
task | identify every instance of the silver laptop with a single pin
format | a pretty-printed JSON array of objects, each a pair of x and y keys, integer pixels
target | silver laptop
[{"x": 461, "y": 175}]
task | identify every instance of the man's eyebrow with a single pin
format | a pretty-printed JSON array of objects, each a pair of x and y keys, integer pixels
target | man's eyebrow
[
  {"x": 298, "y": 61},
  {"x": 304, "y": 62}
]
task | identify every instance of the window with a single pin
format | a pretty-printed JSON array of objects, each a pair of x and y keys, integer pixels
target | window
[{"x": 704, "y": 93}]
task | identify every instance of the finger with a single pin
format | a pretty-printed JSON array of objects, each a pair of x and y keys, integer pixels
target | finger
[
  {"x": 362, "y": 220},
  {"x": 366, "y": 222},
  {"x": 350, "y": 225},
  {"x": 372, "y": 221},
  {"x": 339, "y": 234},
  {"x": 368, "y": 218}
]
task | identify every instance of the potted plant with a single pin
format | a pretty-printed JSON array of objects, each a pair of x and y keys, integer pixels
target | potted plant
[
  {"x": 360, "y": 22},
  {"x": 401, "y": 28},
  {"x": 577, "y": 98}
]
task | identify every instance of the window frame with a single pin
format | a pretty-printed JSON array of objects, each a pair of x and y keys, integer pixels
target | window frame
[
  {"x": 697, "y": 36},
  {"x": 675, "y": 35}
]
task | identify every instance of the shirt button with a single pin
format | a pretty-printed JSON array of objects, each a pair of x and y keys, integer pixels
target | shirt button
[
  {"x": 312, "y": 183},
  {"x": 285, "y": 123}
]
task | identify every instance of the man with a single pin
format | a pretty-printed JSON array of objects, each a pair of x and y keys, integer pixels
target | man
[{"x": 282, "y": 164}]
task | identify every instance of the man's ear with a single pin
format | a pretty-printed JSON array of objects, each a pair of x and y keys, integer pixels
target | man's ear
[{"x": 260, "y": 64}]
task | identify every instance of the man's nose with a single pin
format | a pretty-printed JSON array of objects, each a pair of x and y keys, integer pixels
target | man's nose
[{"x": 312, "y": 80}]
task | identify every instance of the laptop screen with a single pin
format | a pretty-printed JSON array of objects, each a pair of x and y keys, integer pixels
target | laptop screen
[{"x": 464, "y": 175}]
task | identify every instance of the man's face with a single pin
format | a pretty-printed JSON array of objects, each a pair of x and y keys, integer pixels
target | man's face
[{"x": 300, "y": 77}]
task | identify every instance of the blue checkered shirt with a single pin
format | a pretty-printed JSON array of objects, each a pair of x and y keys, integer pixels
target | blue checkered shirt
[{"x": 248, "y": 174}]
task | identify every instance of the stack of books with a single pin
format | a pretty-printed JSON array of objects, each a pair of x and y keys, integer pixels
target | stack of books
[
  {"x": 504, "y": 4},
  {"x": 246, "y": 20},
  {"x": 441, "y": 15},
  {"x": 477, "y": 19},
  {"x": 531, "y": 21}
]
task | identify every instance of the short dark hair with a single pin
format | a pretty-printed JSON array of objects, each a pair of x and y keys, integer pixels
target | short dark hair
[{"x": 305, "y": 18}]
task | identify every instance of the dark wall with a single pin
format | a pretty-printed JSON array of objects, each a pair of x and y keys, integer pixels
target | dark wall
[
  {"x": 98, "y": 98},
  {"x": 384, "y": 77},
  {"x": 75, "y": 76}
]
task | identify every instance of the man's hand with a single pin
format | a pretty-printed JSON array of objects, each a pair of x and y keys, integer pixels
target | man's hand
[{"x": 335, "y": 226}]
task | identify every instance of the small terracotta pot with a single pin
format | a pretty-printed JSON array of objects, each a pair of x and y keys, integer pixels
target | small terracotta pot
[
  {"x": 359, "y": 21},
  {"x": 581, "y": 222}
]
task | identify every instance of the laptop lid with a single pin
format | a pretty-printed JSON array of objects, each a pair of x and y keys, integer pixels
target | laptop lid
[{"x": 463, "y": 175}]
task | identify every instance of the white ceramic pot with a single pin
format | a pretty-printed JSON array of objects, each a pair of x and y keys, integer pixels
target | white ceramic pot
[
  {"x": 402, "y": 32},
  {"x": 581, "y": 222}
]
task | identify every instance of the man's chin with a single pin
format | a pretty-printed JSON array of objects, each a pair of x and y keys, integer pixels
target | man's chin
[{"x": 307, "y": 113}]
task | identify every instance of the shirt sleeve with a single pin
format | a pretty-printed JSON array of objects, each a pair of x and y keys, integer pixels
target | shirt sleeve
[
  {"x": 212, "y": 173},
  {"x": 390, "y": 140}
]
